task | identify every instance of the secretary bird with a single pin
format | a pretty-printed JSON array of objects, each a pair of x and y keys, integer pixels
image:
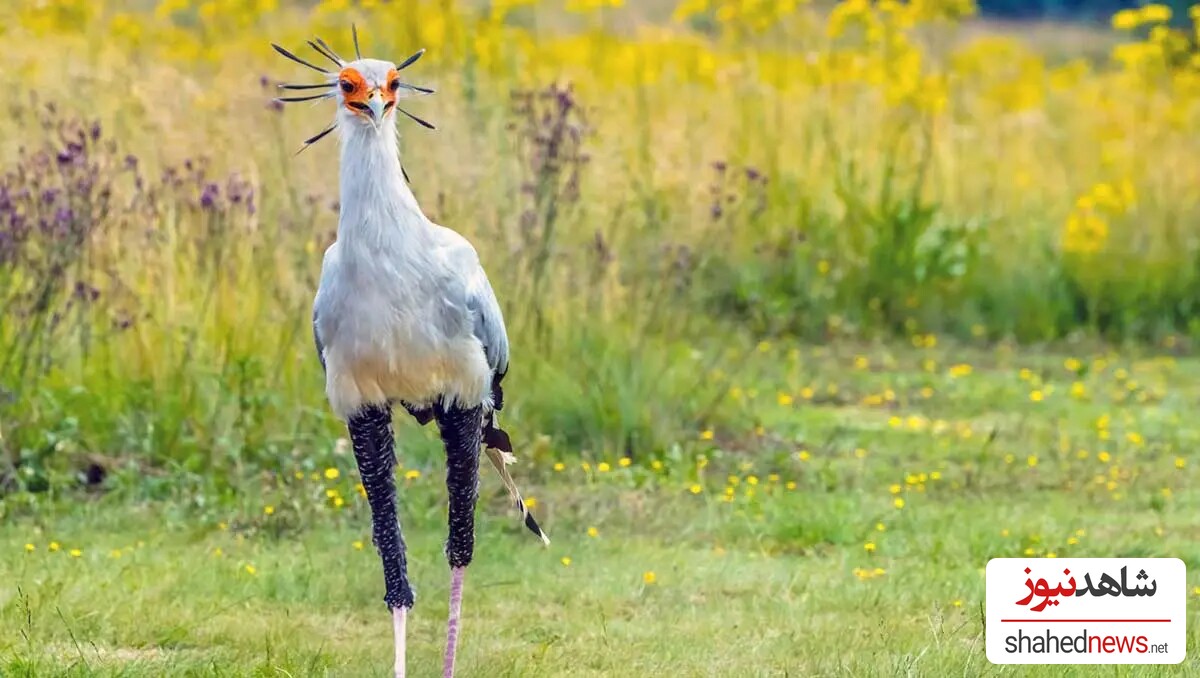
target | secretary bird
[{"x": 404, "y": 313}]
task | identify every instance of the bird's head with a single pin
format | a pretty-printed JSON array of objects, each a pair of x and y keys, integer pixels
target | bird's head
[{"x": 367, "y": 91}]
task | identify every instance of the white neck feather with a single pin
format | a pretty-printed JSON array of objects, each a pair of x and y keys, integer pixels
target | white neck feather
[{"x": 377, "y": 207}]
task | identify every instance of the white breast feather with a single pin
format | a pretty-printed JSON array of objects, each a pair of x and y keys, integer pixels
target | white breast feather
[{"x": 391, "y": 309}]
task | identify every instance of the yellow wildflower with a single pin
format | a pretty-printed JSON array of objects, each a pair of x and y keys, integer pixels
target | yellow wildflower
[
  {"x": 1126, "y": 20},
  {"x": 1156, "y": 13}
]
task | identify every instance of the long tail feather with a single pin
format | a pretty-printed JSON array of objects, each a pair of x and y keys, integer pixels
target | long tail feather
[
  {"x": 500, "y": 460},
  {"x": 499, "y": 451}
]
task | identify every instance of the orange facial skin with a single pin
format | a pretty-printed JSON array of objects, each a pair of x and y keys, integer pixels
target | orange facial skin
[
  {"x": 356, "y": 93},
  {"x": 393, "y": 84}
]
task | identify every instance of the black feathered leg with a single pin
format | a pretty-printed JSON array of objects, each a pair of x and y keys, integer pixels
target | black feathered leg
[
  {"x": 462, "y": 434},
  {"x": 375, "y": 451}
]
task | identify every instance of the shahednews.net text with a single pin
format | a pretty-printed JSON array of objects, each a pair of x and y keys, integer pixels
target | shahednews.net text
[{"x": 1081, "y": 643}]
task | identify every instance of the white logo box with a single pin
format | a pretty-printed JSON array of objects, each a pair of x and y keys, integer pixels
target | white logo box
[{"x": 1086, "y": 611}]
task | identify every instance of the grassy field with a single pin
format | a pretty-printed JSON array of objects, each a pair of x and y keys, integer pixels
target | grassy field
[
  {"x": 843, "y": 532},
  {"x": 814, "y": 309}
]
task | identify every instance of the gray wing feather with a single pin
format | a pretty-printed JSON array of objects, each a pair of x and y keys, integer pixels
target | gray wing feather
[
  {"x": 317, "y": 341},
  {"x": 488, "y": 321},
  {"x": 467, "y": 286}
]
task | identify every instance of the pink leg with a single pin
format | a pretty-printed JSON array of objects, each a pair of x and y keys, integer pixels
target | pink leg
[
  {"x": 399, "y": 624},
  {"x": 456, "y": 586}
]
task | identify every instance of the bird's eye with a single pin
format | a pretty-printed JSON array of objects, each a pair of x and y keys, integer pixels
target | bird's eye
[
  {"x": 395, "y": 85},
  {"x": 346, "y": 86}
]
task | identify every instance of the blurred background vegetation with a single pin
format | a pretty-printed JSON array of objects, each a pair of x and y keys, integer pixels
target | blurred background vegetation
[{"x": 659, "y": 190}]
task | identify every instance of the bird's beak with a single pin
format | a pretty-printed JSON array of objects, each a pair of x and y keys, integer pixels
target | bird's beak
[{"x": 375, "y": 103}]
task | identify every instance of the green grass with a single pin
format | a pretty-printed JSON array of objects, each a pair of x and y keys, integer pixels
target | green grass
[
  {"x": 762, "y": 584},
  {"x": 739, "y": 185}
]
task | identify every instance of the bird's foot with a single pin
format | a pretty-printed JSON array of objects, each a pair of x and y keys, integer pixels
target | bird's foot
[
  {"x": 399, "y": 623},
  {"x": 456, "y": 586}
]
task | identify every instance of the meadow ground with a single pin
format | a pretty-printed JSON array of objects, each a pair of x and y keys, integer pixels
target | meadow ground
[
  {"x": 847, "y": 535},
  {"x": 778, "y": 279}
]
